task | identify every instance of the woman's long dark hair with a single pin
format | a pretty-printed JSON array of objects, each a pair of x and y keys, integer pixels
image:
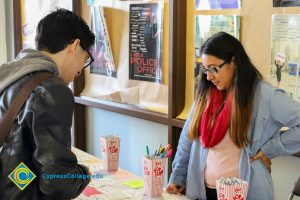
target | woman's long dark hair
[{"x": 226, "y": 47}]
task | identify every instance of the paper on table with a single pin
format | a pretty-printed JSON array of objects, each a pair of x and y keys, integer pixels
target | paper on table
[
  {"x": 96, "y": 168},
  {"x": 107, "y": 190},
  {"x": 84, "y": 157},
  {"x": 103, "y": 182},
  {"x": 89, "y": 191},
  {"x": 134, "y": 183},
  {"x": 114, "y": 196},
  {"x": 132, "y": 193},
  {"x": 122, "y": 174},
  {"x": 91, "y": 161}
]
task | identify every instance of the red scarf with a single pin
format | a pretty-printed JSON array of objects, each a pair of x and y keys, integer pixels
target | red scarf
[{"x": 215, "y": 119}]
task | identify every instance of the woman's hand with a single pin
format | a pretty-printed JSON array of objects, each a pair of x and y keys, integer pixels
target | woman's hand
[
  {"x": 175, "y": 189},
  {"x": 261, "y": 156}
]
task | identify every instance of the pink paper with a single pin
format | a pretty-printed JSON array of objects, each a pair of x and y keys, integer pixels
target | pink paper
[
  {"x": 89, "y": 191},
  {"x": 153, "y": 173}
]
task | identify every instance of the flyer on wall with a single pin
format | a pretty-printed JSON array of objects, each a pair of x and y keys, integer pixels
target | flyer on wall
[
  {"x": 145, "y": 42},
  {"x": 101, "y": 50},
  {"x": 217, "y": 4},
  {"x": 206, "y": 26},
  {"x": 285, "y": 51},
  {"x": 286, "y": 3},
  {"x": 30, "y": 20}
]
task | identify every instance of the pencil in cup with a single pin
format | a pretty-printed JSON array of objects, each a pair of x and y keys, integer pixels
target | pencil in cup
[{"x": 160, "y": 152}]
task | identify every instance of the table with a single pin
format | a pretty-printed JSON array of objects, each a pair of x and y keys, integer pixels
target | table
[{"x": 109, "y": 186}]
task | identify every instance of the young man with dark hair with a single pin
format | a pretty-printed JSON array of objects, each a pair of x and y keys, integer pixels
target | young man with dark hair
[{"x": 40, "y": 136}]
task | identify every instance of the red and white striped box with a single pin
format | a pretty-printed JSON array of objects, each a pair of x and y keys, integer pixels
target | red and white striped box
[
  {"x": 110, "y": 149},
  {"x": 153, "y": 173},
  {"x": 231, "y": 189}
]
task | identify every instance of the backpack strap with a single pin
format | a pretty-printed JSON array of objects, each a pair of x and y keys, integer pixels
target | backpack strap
[{"x": 9, "y": 117}]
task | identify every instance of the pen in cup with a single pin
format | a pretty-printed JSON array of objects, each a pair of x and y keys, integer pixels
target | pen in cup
[{"x": 147, "y": 151}]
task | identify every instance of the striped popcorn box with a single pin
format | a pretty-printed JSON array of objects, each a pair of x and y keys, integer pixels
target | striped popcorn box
[
  {"x": 110, "y": 149},
  {"x": 231, "y": 189},
  {"x": 153, "y": 173}
]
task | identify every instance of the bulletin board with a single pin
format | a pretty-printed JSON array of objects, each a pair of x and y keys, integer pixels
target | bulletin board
[
  {"x": 148, "y": 95},
  {"x": 30, "y": 20},
  {"x": 255, "y": 36}
]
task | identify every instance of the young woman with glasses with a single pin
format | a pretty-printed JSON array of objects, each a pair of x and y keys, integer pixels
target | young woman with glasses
[{"x": 234, "y": 127}]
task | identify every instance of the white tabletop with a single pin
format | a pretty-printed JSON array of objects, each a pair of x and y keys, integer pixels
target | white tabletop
[{"x": 109, "y": 186}]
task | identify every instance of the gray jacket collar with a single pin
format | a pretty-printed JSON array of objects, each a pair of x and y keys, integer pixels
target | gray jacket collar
[{"x": 28, "y": 61}]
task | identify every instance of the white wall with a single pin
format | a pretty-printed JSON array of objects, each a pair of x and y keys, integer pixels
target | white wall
[
  {"x": 3, "y": 54},
  {"x": 135, "y": 135},
  {"x": 285, "y": 172}
]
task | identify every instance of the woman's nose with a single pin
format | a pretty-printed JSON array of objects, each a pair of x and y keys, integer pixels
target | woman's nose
[{"x": 209, "y": 76}]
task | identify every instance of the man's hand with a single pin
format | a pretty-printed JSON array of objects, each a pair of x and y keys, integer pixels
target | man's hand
[
  {"x": 261, "y": 156},
  {"x": 175, "y": 189}
]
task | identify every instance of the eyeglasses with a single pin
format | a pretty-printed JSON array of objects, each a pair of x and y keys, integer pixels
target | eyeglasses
[
  {"x": 90, "y": 59},
  {"x": 212, "y": 69}
]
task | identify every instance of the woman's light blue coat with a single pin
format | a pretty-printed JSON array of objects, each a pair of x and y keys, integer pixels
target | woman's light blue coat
[{"x": 272, "y": 110}]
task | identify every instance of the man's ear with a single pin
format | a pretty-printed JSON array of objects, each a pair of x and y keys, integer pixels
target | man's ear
[
  {"x": 74, "y": 46},
  {"x": 233, "y": 60}
]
